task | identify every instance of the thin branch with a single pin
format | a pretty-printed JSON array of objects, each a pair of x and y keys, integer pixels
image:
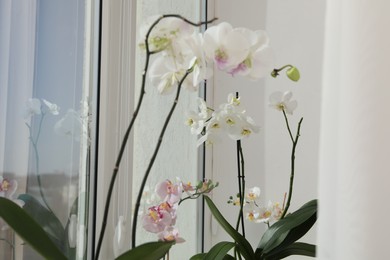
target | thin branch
[
  {"x": 288, "y": 125},
  {"x": 146, "y": 175},
  {"x": 241, "y": 186},
  {"x": 295, "y": 142}
]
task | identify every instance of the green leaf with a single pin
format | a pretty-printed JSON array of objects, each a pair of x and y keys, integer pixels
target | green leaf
[
  {"x": 302, "y": 220},
  {"x": 295, "y": 234},
  {"x": 147, "y": 251},
  {"x": 200, "y": 256},
  {"x": 29, "y": 230},
  {"x": 45, "y": 218},
  {"x": 243, "y": 244},
  {"x": 219, "y": 251},
  {"x": 295, "y": 249}
]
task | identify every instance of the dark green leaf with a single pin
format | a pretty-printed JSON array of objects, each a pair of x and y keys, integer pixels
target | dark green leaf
[
  {"x": 294, "y": 234},
  {"x": 228, "y": 257},
  {"x": 198, "y": 256},
  {"x": 295, "y": 249},
  {"x": 219, "y": 251},
  {"x": 29, "y": 230},
  {"x": 147, "y": 251},
  {"x": 278, "y": 232},
  {"x": 243, "y": 244}
]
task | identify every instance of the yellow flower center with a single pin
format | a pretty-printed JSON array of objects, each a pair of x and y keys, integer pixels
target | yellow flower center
[
  {"x": 246, "y": 132},
  {"x": 5, "y": 185},
  {"x": 190, "y": 121},
  {"x": 169, "y": 237},
  {"x": 215, "y": 125},
  {"x": 267, "y": 214},
  {"x": 153, "y": 214},
  {"x": 281, "y": 106},
  {"x": 230, "y": 121}
]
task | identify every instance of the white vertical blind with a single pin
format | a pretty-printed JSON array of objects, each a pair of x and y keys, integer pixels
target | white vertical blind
[{"x": 355, "y": 141}]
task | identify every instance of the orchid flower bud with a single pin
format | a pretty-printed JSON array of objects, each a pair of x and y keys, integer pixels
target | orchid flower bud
[{"x": 293, "y": 74}]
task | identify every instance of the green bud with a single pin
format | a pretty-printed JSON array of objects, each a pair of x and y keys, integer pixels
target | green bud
[{"x": 293, "y": 74}]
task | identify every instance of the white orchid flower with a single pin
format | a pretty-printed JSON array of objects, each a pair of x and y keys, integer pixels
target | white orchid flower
[
  {"x": 32, "y": 107},
  {"x": 260, "y": 59},
  {"x": 198, "y": 63},
  {"x": 270, "y": 213},
  {"x": 226, "y": 46},
  {"x": 165, "y": 73},
  {"x": 252, "y": 215},
  {"x": 213, "y": 132},
  {"x": 243, "y": 126},
  {"x": 197, "y": 120},
  {"x": 252, "y": 194},
  {"x": 282, "y": 101}
]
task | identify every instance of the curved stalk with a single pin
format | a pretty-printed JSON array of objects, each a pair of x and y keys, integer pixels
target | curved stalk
[{"x": 295, "y": 142}]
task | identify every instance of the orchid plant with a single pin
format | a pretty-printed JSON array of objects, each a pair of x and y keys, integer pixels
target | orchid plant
[{"x": 183, "y": 57}]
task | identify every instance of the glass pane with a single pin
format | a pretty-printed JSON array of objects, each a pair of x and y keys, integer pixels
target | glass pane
[
  {"x": 178, "y": 155},
  {"x": 44, "y": 121}
]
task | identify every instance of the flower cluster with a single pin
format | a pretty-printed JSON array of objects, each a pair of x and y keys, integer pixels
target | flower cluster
[
  {"x": 161, "y": 219},
  {"x": 230, "y": 118},
  {"x": 237, "y": 51},
  {"x": 255, "y": 213}
]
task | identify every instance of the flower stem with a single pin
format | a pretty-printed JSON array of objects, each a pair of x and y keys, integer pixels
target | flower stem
[
  {"x": 295, "y": 142},
  {"x": 146, "y": 175},
  {"x": 241, "y": 186},
  {"x": 194, "y": 196},
  {"x": 288, "y": 125},
  {"x": 275, "y": 72}
]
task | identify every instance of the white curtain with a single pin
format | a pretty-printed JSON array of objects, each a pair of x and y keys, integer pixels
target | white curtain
[
  {"x": 17, "y": 44},
  {"x": 355, "y": 132}
]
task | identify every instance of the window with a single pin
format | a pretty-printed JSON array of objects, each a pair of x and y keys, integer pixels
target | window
[{"x": 47, "y": 78}]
